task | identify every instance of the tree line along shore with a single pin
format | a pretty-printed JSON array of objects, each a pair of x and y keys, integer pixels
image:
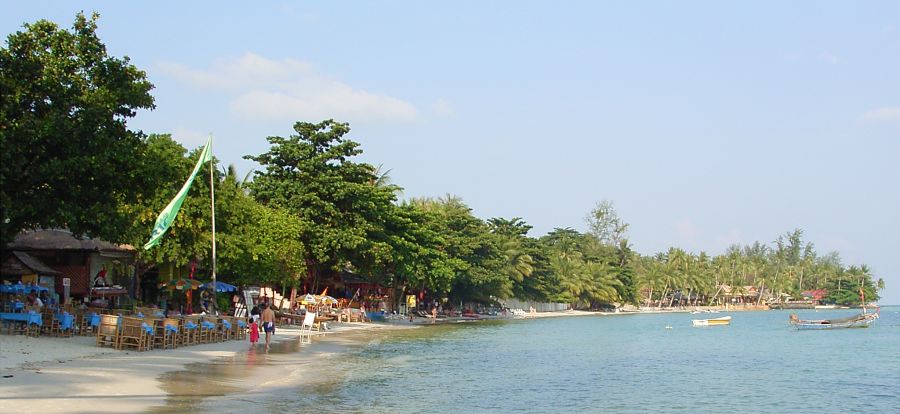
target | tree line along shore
[{"x": 312, "y": 210}]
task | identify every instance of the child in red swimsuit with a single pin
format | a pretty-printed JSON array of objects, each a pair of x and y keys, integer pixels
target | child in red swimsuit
[{"x": 254, "y": 332}]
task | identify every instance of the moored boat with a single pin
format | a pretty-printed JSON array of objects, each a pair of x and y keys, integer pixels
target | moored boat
[
  {"x": 725, "y": 320},
  {"x": 863, "y": 320}
]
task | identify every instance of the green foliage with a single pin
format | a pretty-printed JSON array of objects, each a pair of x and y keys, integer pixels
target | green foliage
[
  {"x": 68, "y": 157},
  {"x": 776, "y": 274},
  {"x": 604, "y": 223},
  {"x": 845, "y": 289},
  {"x": 312, "y": 176}
]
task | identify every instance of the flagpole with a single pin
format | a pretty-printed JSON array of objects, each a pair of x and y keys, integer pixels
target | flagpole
[{"x": 212, "y": 204}]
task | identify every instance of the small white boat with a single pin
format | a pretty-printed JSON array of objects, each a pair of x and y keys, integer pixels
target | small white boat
[{"x": 725, "y": 320}]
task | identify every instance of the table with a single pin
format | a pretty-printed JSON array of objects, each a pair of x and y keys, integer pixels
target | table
[
  {"x": 66, "y": 320},
  {"x": 27, "y": 318}
]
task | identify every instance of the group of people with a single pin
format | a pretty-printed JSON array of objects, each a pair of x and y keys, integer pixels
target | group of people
[
  {"x": 264, "y": 317},
  {"x": 36, "y": 302}
]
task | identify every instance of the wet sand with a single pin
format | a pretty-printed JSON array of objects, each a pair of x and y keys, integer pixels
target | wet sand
[
  {"x": 70, "y": 375},
  {"x": 225, "y": 383}
]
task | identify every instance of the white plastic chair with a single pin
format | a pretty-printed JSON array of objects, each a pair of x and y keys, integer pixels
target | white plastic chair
[{"x": 306, "y": 327}]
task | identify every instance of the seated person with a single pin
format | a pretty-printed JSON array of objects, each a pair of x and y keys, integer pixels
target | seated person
[{"x": 100, "y": 280}]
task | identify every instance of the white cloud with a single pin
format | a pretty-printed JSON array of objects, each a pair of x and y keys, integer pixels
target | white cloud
[
  {"x": 887, "y": 114},
  {"x": 442, "y": 107},
  {"x": 289, "y": 89}
]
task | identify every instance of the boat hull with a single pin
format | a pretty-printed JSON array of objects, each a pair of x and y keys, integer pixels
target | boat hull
[
  {"x": 712, "y": 322},
  {"x": 860, "y": 321}
]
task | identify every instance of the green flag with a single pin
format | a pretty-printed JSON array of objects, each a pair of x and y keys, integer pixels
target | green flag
[{"x": 167, "y": 216}]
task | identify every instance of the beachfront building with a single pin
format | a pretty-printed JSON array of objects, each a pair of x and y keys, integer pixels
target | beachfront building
[{"x": 87, "y": 266}]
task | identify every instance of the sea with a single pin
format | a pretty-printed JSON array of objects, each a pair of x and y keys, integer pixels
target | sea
[{"x": 635, "y": 363}]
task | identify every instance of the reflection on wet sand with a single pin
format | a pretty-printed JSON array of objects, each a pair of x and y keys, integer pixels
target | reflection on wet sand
[{"x": 253, "y": 371}]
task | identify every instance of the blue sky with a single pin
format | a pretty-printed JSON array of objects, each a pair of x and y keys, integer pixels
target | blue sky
[{"x": 706, "y": 123}]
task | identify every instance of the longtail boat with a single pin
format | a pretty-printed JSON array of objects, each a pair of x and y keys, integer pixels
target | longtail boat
[
  {"x": 863, "y": 320},
  {"x": 725, "y": 320}
]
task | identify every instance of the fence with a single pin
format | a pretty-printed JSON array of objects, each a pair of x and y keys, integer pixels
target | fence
[{"x": 538, "y": 306}]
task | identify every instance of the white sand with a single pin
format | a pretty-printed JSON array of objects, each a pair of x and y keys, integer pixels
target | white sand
[{"x": 72, "y": 375}]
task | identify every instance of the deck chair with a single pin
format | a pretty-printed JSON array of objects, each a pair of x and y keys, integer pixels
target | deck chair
[
  {"x": 306, "y": 327},
  {"x": 108, "y": 331}
]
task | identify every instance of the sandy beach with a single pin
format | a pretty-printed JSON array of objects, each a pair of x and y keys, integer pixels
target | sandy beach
[{"x": 72, "y": 375}]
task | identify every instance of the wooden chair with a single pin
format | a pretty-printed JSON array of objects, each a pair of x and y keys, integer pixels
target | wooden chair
[
  {"x": 158, "y": 339},
  {"x": 166, "y": 333},
  {"x": 207, "y": 333},
  {"x": 170, "y": 326},
  {"x": 235, "y": 328},
  {"x": 238, "y": 327},
  {"x": 108, "y": 331},
  {"x": 224, "y": 326},
  {"x": 133, "y": 334},
  {"x": 67, "y": 332},
  {"x": 189, "y": 335},
  {"x": 49, "y": 320}
]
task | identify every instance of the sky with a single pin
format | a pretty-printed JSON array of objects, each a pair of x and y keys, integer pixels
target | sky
[{"x": 705, "y": 123}]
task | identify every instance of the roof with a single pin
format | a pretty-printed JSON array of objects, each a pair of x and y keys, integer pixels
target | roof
[
  {"x": 21, "y": 263},
  {"x": 58, "y": 239}
]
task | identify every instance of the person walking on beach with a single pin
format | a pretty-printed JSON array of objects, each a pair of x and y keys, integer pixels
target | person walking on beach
[
  {"x": 254, "y": 331},
  {"x": 268, "y": 322}
]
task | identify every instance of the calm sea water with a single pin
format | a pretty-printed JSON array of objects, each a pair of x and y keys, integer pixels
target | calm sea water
[{"x": 628, "y": 363}]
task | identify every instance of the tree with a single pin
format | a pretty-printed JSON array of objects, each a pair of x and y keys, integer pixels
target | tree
[
  {"x": 312, "y": 176},
  {"x": 518, "y": 263},
  {"x": 68, "y": 157},
  {"x": 605, "y": 224}
]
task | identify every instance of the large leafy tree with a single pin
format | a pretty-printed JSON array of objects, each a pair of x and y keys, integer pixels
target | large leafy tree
[
  {"x": 473, "y": 254},
  {"x": 412, "y": 251},
  {"x": 518, "y": 262},
  {"x": 68, "y": 157},
  {"x": 312, "y": 176}
]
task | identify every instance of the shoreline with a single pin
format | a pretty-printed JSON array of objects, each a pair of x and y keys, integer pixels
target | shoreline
[
  {"x": 51, "y": 375},
  {"x": 66, "y": 375}
]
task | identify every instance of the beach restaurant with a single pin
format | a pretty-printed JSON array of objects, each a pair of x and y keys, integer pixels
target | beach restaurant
[{"x": 73, "y": 267}]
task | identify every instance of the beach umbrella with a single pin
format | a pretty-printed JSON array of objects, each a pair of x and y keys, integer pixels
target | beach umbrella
[
  {"x": 221, "y": 287},
  {"x": 328, "y": 300},
  {"x": 308, "y": 300},
  {"x": 181, "y": 284}
]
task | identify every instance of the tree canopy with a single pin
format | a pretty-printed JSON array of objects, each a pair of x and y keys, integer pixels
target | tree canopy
[{"x": 68, "y": 156}]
